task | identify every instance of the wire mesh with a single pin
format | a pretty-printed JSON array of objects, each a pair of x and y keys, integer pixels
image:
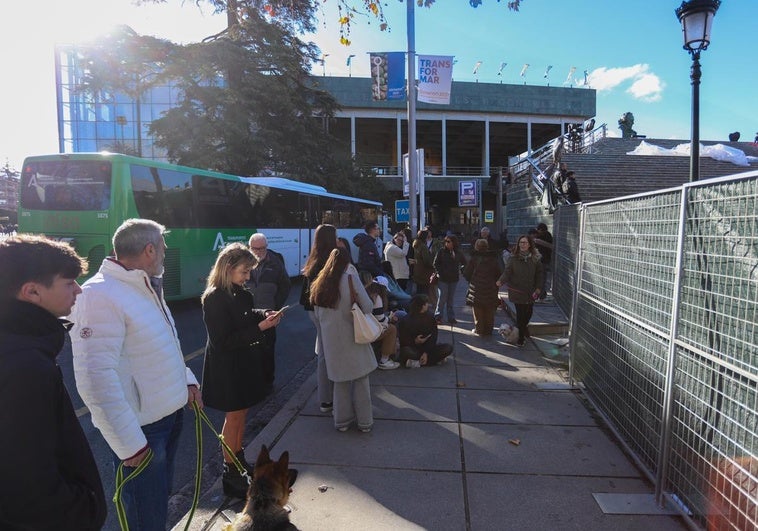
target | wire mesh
[
  {"x": 566, "y": 223},
  {"x": 622, "y": 337}
]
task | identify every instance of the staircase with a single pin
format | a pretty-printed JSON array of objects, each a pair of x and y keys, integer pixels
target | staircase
[{"x": 606, "y": 171}]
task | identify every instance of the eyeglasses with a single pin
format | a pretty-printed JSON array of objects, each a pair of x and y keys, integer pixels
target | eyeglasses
[{"x": 254, "y": 248}]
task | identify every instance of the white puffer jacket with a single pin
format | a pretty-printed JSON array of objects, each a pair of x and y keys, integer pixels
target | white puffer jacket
[
  {"x": 397, "y": 256},
  {"x": 128, "y": 362}
]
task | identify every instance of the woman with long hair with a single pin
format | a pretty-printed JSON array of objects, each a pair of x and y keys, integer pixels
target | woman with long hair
[
  {"x": 348, "y": 363},
  {"x": 324, "y": 241},
  {"x": 387, "y": 342},
  {"x": 233, "y": 378},
  {"x": 448, "y": 264},
  {"x": 424, "y": 265},
  {"x": 523, "y": 275}
]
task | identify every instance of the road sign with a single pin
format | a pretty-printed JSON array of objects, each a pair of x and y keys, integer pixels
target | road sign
[
  {"x": 402, "y": 210},
  {"x": 467, "y": 194},
  {"x": 489, "y": 216}
]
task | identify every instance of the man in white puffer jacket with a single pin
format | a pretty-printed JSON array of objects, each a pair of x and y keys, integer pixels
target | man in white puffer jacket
[{"x": 129, "y": 367}]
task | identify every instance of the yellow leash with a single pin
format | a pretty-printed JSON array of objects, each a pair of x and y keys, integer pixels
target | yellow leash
[{"x": 121, "y": 481}]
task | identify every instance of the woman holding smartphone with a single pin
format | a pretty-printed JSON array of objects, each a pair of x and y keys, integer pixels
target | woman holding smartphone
[
  {"x": 418, "y": 336},
  {"x": 233, "y": 378}
]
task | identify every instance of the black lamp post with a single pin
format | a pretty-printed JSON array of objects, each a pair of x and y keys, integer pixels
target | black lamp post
[{"x": 696, "y": 17}]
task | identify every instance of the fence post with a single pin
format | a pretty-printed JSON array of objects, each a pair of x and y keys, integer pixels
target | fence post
[
  {"x": 664, "y": 448},
  {"x": 575, "y": 298}
]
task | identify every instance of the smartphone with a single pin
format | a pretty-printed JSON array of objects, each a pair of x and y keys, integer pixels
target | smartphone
[{"x": 281, "y": 311}]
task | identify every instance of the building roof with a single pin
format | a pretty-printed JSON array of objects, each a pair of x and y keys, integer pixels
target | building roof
[{"x": 495, "y": 98}]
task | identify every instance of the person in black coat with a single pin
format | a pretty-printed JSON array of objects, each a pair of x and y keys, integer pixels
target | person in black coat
[
  {"x": 482, "y": 272},
  {"x": 48, "y": 476},
  {"x": 233, "y": 371}
]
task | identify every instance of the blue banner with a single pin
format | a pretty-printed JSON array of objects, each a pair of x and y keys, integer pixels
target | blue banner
[{"x": 387, "y": 76}]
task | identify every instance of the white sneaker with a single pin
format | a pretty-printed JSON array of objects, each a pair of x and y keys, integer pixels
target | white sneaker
[
  {"x": 388, "y": 365},
  {"x": 413, "y": 364}
]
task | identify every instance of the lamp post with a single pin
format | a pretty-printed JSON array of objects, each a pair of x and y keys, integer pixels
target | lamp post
[
  {"x": 696, "y": 17},
  {"x": 350, "y": 65}
]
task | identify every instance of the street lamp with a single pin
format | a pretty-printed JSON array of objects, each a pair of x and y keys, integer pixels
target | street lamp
[
  {"x": 350, "y": 65},
  {"x": 696, "y": 17}
]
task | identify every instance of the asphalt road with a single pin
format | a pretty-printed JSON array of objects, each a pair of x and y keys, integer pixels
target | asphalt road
[{"x": 295, "y": 362}]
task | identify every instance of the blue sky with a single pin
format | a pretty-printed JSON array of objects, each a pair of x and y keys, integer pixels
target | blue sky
[{"x": 632, "y": 51}]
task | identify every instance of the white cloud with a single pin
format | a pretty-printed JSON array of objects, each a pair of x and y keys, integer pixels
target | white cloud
[{"x": 645, "y": 85}]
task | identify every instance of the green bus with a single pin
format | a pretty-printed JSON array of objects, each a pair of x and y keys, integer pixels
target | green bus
[{"x": 83, "y": 197}]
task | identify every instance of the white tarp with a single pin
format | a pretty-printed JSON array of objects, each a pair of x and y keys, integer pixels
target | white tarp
[{"x": 716, "y": 151}]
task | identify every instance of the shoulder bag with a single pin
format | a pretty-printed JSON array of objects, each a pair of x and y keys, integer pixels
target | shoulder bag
[{"x": 367, "y": 329}]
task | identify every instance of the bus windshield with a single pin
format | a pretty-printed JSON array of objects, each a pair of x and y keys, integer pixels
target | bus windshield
[{"x": 66, "y": 185}]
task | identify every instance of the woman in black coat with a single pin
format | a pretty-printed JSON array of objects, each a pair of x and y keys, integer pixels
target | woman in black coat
[
  {"x": 482, "y": 271},
  {"x": 233, "y": 377}
]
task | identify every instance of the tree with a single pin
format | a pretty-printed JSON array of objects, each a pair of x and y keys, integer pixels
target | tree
[
  {"x": 300, "y": 14},
  {"x": 124, "y": 62}
]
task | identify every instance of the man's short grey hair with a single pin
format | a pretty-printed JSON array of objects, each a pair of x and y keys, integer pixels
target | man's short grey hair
[
  {"x": 131, "y": 238},
  {"x": 257, "y": 237},
  {"x": 484, "y": 229}
]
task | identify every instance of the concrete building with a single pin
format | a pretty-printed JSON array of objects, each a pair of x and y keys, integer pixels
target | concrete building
[{"x": 471, "y": 139}]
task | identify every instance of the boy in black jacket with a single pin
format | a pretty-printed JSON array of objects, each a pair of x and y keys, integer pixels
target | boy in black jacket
[{"x": 48, "y": 476}]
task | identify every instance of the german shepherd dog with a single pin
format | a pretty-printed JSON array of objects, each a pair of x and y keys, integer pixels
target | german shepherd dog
[{"x": 267, "y": 495}]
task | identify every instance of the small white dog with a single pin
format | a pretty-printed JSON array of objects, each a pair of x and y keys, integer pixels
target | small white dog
[{"x": 509, "y": 333}]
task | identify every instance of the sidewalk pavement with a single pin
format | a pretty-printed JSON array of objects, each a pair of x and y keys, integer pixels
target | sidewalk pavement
[{"x": 493, "y": 439}]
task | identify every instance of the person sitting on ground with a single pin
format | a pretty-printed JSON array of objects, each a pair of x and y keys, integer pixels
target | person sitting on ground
[
  {"x": 397, "y": 297},
  {"x": 418, "y": 336},
  {"x": 387, "y": 342}
]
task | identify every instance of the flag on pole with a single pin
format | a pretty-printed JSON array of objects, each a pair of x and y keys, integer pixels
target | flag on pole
[
  {"x": 502, "y": 65},
  {"x": 570, "y": 76},
  {"x": 349, "y": 59},
  {"x": 586, "y": 78},
  {"x": 387, "y": 76},
  {"x": 547, "y": 71},
  {"x": 523, "y": 69},
  {"x": 476, "y": 67},
  {"x": 435, "y": 77}
]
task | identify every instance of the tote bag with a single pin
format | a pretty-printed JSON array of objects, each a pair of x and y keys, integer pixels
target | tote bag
[{"x": 367, "y": 329}]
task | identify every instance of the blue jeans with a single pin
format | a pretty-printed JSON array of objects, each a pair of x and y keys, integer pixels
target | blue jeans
[
  {"x": 445, "y": 301},
  {"x": 146, "y": 496}
]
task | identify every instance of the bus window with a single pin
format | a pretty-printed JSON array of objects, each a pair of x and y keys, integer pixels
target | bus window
[
  {"x": 66, "y": 185},
  {"x": 163, "y": 195}
]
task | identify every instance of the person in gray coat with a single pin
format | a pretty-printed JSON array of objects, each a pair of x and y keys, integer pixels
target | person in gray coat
[{"x": 348, "y": 363}]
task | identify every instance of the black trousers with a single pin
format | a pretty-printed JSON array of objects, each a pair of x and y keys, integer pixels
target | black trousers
[{"x": 523, "y": 315}]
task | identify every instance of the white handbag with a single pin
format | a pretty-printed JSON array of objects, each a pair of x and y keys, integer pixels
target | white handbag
[{"x": 367, "y": 329}]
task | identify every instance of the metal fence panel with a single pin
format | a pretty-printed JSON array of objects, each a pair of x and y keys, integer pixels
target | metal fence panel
[
  {"x": 623, "y": 331},
  {"x": 565, "y": 247}
]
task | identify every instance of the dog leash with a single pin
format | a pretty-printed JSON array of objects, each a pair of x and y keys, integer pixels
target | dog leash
[
  {"x": 121, "y": 481},
  {"x": 200, "y": 417}
]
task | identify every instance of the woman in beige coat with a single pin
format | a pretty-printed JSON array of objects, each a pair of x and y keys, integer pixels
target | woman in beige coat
[{"x": 348, "y": 363}]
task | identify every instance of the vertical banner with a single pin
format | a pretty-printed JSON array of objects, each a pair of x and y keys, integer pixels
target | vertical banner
[
  {"x": 435, "y": 75},
  {"x": 387, "y": 76}
]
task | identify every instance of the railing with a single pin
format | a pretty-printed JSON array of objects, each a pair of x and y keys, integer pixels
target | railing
[
  {"x": 543, "y": 155},
  {"x": 664, "y": 339},
  {"x": 436, "y": 171}
]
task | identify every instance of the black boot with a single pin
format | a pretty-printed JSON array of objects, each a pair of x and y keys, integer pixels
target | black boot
[
  {"x": 234, "y": 483},
  {"x": 247, "y": 466}
]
